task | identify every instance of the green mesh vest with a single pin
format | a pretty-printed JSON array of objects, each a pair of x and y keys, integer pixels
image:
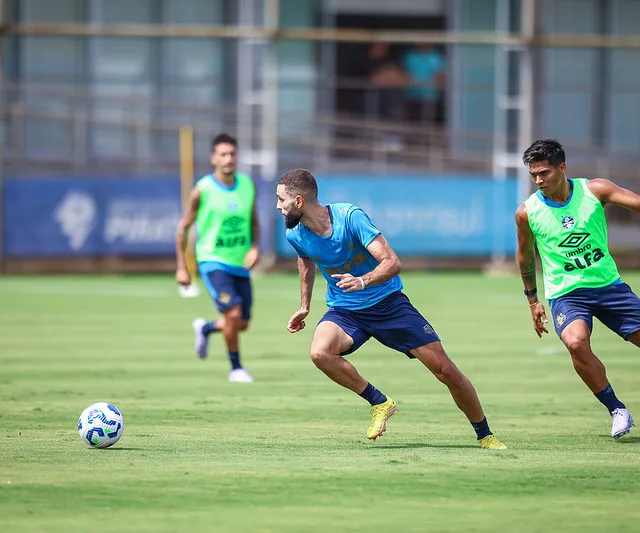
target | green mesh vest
[
  {"x": 224, "y": 220},
  {"x": 572, "y": 242}
]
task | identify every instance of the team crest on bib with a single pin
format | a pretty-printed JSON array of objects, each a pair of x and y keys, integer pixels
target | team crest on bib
[
  {"x": 232, "y": 206},
  {"x": 560, "y": 319},
  {"x": 568, "y": 223}
]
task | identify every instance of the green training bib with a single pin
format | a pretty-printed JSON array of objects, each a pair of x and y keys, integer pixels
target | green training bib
[
  {"x": 572, "y": 241},
  {"x": 224, "y": 220}
]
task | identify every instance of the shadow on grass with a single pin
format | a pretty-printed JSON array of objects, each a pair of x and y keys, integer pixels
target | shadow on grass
[
  {"x": 410, "y": 445},
  {"x": 628, "y": 440},
  {"x": 120, "y": 449}
]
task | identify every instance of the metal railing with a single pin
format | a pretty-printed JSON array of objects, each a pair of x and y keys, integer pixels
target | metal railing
[
  {"x": 80, "y": 29},
  {"x": 79, "y": 131}
]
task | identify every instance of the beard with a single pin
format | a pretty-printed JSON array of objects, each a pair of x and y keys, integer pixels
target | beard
[{"x": 292, "y": 219}]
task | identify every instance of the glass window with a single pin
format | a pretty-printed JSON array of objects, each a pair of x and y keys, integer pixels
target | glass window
[
  {"x": 569, "y": 85},
  {"x": 297, "y": 71},
  {"x": 54, "y": 62},
  {"x": 623, "y": 123}
]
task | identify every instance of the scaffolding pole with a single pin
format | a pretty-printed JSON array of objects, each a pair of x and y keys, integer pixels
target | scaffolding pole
[
  {"x": 270, "y": 80},
  {"x": 528, "y": 27},
  {"x": 258, "y": 101},
  {"x": 513, "y": 111},
  {"x": 246, "y": 87}
]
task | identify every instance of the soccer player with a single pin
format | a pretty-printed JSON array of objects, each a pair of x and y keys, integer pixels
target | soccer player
[
  {"x": 565, "y": 218},
  {"x": 223, "y": 207},
  {"x": 365, "y": 299}
]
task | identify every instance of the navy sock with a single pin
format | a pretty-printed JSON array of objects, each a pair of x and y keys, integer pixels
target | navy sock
[
  {"x": 209, "y": 327},
  {"x": 608, "y": 398},
  {"x": 482, "y": 428},
  {"x": 373, "y": 395},
  {"x": 234, "y": 358}
]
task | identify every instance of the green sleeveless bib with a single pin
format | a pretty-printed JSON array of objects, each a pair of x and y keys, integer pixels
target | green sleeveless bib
[
  {"x": 572, "y": 242},
  {"x": 224, "y": 220}
]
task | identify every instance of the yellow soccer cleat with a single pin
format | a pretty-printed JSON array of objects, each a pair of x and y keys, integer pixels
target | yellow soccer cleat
[
  {"x": 379, "y": 415},
  {"x": 491, "y": 442}
]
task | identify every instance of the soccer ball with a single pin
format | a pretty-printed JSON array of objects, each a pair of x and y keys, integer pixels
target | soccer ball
[{"x": 100, "y": 425}]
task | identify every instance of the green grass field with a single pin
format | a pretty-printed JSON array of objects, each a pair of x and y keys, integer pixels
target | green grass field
[{"x": 288, "y": 453}]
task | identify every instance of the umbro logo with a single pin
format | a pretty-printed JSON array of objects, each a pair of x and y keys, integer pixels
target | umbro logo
[{"x": 574, "y": 240}]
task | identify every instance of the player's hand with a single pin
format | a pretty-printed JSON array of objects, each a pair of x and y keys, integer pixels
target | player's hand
[
  {"x": 183, "y": 277},
  {"x": 296, "y": 322},
  {"x": 539, "y": 318},
  {"x": 348, "y": 283},
  {"x": 252, "y": 258}
]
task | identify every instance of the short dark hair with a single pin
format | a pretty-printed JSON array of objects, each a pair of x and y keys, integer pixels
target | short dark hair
[
  {"x": 300, "y": 181},
  {"x": 223, "y": 138},
  {"x": 544, "y": 150}
]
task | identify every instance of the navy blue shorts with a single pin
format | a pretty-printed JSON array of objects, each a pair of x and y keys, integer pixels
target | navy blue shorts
[
  {"x": 616, "y": 306},
  {"x": 393, "y": 321},
  {"x": 227, "y": 291}
]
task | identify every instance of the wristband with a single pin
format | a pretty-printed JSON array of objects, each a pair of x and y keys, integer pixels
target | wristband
[
  {"x": 531, "y": 293},
  {"x": 362, "y": 283}
]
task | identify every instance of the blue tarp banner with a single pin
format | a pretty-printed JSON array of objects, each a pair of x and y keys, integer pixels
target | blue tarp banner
[
  {"x": 426, "y": 215},
  {"x": 87, "y": 217}
]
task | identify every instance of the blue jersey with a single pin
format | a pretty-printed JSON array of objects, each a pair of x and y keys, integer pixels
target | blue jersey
[{"x": 342, "y": 252}]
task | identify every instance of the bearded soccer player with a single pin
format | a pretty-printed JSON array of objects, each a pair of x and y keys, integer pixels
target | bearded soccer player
[
  {"x": 565, "y": 220},
  {"x": 365, "y": 299},
  {"x": 222, "y": 204}
]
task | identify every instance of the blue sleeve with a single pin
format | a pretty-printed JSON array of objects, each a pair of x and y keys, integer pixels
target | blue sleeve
[
  {"x": 361, "y": 226},
  {"x": 297, "y": 248}
]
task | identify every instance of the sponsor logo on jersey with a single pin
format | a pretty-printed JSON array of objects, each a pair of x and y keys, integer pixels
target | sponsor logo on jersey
[{"x": 587, "y": 260}]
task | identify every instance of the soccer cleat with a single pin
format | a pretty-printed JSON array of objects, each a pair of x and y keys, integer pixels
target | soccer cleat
[
  {"x": 379, "y": 415},
  {"x": 622, "y": 423},
  {"x": 491, "y": 442},
  {"x": 201, "y": 339},
  {"x": 240, "y": 375}
]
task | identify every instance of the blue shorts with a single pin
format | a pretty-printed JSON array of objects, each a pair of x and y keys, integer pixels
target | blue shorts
[
  {"x": 393, "y": 321},
  {"x": 227, "y": 291},
  {"x": 616, "y": 306}
]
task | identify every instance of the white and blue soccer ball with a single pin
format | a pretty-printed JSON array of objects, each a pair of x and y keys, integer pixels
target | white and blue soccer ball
[{"x": 101, "y": 425}]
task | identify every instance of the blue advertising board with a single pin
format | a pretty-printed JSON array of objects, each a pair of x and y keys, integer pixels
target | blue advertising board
[
  {"x": 87, "y": 217},
  {"x": 436, "y": 216},
  {"x": 426, "y": 215}
]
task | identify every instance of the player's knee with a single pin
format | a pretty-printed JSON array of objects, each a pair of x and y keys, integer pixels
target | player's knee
[
  {"x": 448, "y": 373},
  {"x": 233, "y": 318},
  {"x": 244, "y": 325},
  {"x": 320, "y": 356},
  {"x": 577, "y": 345}
]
